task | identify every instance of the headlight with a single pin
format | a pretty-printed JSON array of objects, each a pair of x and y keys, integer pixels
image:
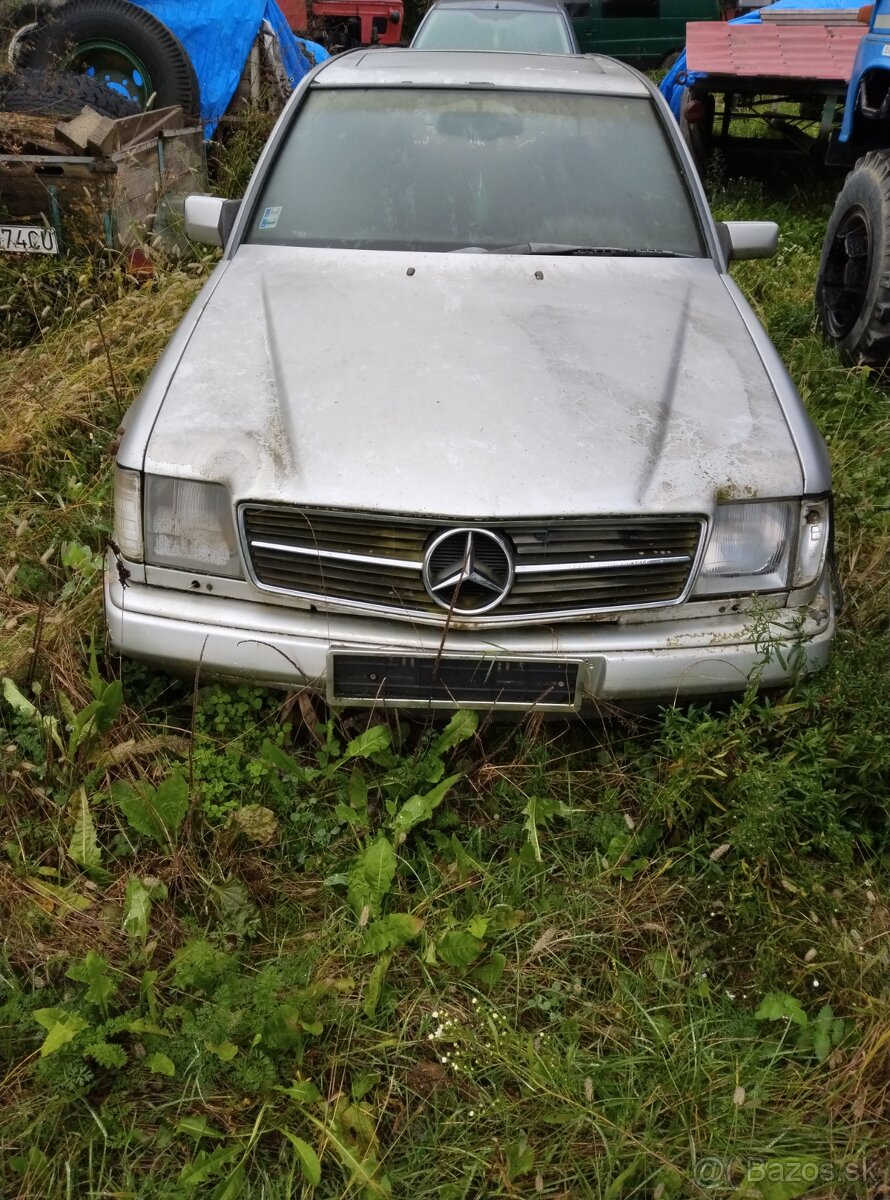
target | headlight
[
  {"x": 188, "y": 525},
  {"x": 749, "y": 549},
  {"x": 128, "y": 513}
]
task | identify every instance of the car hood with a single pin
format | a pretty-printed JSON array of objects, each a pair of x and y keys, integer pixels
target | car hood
[{"x": 474, "y": 385}]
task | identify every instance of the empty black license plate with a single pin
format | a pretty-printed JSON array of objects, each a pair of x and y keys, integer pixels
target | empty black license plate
[{"x": 465, "y": 681}]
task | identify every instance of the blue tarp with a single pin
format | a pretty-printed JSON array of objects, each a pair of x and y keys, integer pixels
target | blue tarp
[
  {"x": 678, "y": 78},
  {"x": 217, "y": 35}
]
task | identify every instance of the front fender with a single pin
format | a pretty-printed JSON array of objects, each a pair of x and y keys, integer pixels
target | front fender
[{"x": 873, "y": 55}]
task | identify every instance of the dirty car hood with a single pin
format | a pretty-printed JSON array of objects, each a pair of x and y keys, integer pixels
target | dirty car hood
[{"x": 474, "y": 385}]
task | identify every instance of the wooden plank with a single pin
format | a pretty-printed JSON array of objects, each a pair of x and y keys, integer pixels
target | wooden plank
[
  {"x": 810, "y": 16},
  {"x": 135, "y": 194},
  {"x": 183, "y": 155},
  {"x": 192, "y": 135},
  {"x": 55, "y": 161},
  {"x": 141, "y": 127}
]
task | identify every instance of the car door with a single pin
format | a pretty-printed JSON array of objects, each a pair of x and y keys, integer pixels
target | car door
[
  {"x": 631, "y": 29},
  {"x": 586, "y": 22}
]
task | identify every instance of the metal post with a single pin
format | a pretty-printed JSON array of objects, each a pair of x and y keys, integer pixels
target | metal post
[{"x": 55, "y": 212}]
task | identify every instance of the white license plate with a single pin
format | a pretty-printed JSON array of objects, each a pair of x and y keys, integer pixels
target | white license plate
[{"x": 28, "y": 239}]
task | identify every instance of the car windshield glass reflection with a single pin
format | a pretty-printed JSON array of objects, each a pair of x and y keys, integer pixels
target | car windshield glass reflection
[
  {"x": 494, "y": 29},
  {"x": 442, "y": 169}
]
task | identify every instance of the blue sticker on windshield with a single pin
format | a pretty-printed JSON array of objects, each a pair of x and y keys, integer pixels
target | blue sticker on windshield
[{"x": 269, "y": 219}]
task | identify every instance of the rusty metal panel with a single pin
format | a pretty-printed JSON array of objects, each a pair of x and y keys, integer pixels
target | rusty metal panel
[{"x": 792, "y": 51}]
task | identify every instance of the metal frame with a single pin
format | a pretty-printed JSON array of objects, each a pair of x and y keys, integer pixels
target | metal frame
[{"x": 758, "y": 92}]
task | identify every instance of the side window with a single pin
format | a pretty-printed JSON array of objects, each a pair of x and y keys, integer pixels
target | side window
[{"x": 631, "y": 8}]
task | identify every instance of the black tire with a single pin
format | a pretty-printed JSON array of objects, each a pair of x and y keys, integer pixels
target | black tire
[
  {"x": 134, "y": 30},
  {"x": 853, "y": 284},
  {"x": 61, "y": 94}
]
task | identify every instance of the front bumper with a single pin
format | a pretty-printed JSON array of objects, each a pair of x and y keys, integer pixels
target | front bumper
[{"x": 652, "y": 660}]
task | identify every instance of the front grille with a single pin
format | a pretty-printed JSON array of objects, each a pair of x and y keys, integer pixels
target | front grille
[{"x": 564, "y": 567}]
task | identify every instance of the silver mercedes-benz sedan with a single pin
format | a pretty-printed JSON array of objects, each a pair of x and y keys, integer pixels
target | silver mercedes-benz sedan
[{"x": 471, "y": 411}]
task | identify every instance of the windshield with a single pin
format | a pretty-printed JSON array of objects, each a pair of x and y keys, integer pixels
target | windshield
[
  {"x": 493, "y": 29},
  {"x": 441, "y": 169}
]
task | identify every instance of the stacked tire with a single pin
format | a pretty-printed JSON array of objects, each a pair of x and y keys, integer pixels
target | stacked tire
[{"x": 60, "y": 94}]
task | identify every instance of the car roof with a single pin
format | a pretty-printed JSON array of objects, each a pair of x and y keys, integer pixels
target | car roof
[
  {"x": 397, "y": 67},
  {"x": 507, "y": 5}
]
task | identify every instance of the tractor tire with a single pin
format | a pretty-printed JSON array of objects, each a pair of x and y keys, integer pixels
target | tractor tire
[
  {"x": 126, "y": 46},
  {"x": 853, "y": 284},
  {"x": 61, "y": 94}
]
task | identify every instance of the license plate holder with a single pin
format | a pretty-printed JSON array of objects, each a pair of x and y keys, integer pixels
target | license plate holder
[{"x": 452, "y": 681}]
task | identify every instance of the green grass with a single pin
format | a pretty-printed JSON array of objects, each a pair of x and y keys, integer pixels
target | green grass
[{"x": 651, "y": 951}]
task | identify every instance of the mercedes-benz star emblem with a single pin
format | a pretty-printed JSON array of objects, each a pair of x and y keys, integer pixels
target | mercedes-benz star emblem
[{"x": 468, "y": 571}]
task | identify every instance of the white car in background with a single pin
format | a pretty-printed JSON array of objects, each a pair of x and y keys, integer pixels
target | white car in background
[{"x": 527, "y": 26}]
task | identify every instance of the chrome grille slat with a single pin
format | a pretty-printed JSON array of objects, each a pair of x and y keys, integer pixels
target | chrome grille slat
[
  {"x": 564, "y": 567},
  {"x": 598, "y": 566}
]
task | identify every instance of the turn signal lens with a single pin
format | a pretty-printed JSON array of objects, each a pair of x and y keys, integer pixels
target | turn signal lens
[
  {"x": 813, "y": 541},
  {"x": 128, "y": 513}
]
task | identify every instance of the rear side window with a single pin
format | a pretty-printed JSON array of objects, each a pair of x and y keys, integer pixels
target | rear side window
[{"x": 446, "y": 169}]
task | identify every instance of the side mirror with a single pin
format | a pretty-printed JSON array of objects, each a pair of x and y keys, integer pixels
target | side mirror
[
  {"x": 748, "y": 239},
  {"x": 209, "y": 220}
]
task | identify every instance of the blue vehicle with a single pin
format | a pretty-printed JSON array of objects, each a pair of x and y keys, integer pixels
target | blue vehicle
[
  {"x": 853, "y": 285},
  {"x": 761, "y": 70}
]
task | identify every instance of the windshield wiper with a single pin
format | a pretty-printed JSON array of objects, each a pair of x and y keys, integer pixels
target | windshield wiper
[
  {"x": 603, "y": 251},
  {"x": 556, "y": 249}
]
